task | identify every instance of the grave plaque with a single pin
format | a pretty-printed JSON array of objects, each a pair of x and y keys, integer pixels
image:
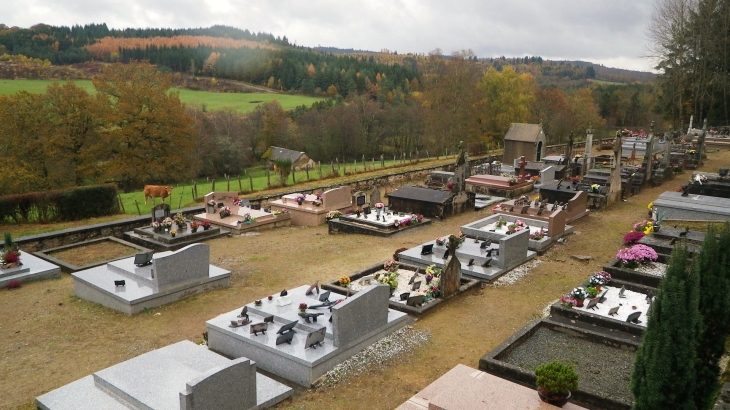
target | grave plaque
[
  {"x": 312, "y": 289},
  {"x": 244, "y": 312},
  {"x": 415, "y": 301},
  {"x": 404, "y": 296},
  {"x": 634, "y": 318},
  {"x": 621, "y": 292},
  {"x": 259, "y": 327},
  {"x": 593, "y": 304},
  {"x": 427, "y": 249},
  {"x": 285, "y": 338},
  {"x": 315, "y": 338},
  {"x": 416, "y": 285},
  {"x": 525, "y": 209},
  {"x": 289, "y": 327},
  {"x": 160, "y": 212},
  {"x": 324, "y": 296},
  {"x": 359, "y": 199},
  {"x": 487, "y": 263},
  {"x": 613, "y": 311},
  {"x": 413, "y": 279},
  {"x": 269, "y": 319}
]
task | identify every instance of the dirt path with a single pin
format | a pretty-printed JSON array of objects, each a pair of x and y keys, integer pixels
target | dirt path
[{"x": 50, "y": 338}]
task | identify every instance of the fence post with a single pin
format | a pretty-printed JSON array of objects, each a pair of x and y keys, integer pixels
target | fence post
[
  {"x": 240, "y": 188},
  {"x": 213, "y": 187},
  {"x": 268, "y": 178},
  {"x": 228, "y": 180},
  {"x": 250, "y": 181},
  {"x": 137, "y": 205}
]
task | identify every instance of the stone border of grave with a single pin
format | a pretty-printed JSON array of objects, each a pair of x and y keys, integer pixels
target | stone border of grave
[
  {"x": 492, "y": 364},
  {"x": 585, "y": 316},
  {"x": 334, "y": 286},
  {"x": 68, "y": 267},
  {"x": 625, "y": 276},
  {"x": 145, "y": 236},
  {"x": 337, "y": 225}
]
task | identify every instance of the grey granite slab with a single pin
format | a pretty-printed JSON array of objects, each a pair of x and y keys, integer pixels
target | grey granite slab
[
  {"x": 33, "y": 268},
  {"x": 297, "y": 362},
  {"x": 172, "y": 377},
  {"x": 692, "y": 207}
]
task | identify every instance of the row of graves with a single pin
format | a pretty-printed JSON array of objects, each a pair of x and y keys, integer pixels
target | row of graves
[
  {"x": 296, "y": 335},
  {"x": 598, "y": 326},
  {"x": 706, "y": 197}
]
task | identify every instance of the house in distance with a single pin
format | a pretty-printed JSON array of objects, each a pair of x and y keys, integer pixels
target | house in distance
[{"x": 299, "y": 160}]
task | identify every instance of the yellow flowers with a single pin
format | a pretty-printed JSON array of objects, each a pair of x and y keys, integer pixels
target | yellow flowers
[
  {"x": 650, "y": 206},
  {"x": 344, "y": 280}
]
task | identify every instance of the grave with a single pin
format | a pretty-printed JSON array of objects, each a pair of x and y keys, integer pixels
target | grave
[
  {"x": 313, "y": 208},
  {"x": 33, "y": 268},
  {"x": 430, "y": 202},
  {"x": 357, "y": 322},
  {"x": 463, "y": 387},
  {"x": 377, "y": 222},
  {"x": 243, "y": 217},
  {"x": 50, "y": 254},
  {"x": 361, "y": 279},
  {"x": 677, "y": 207},
  {"x": 663, "y": 240},
  {"x": 712, "y": 184},
  {"x": 181, "y": 376},
  {"x": 489, "y": 261},
  {"x": 545, "y": 340},
  {"x": 505, "y": 186},
  {"x": 565, "y": 193},
  {"x": 171, "y": 276},
  {"x": 552, "y": 224},
  {"x": 612, "y": 308}
]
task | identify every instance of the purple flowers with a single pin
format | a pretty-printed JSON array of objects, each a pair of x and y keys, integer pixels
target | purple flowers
[
  {"x": 632, "y": 237},
  {"x": 633, "y": 256}
]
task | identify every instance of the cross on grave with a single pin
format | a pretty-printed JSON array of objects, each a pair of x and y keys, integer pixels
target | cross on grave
[{"x": 522, "y": 164}]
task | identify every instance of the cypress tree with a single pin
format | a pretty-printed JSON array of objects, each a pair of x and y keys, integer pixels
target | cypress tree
[
  {"x": 665, "y": 365},
  {"x": 711, "y": 265}
]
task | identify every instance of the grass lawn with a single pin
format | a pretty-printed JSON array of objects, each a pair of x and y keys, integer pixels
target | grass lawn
[
  {"x": 182, "y": 195},
  {"x": 241, "y": 102}
]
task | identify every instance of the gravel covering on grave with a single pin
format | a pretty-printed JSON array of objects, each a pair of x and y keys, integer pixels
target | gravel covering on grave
[
  {"x": 514, "y": 276},
  {"x": 602, "y": 370},
  {"x": 653, "y": 268},
  {"x": 401, "y": 343}
]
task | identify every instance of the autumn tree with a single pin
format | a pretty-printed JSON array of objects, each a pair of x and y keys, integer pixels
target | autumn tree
[
  {"x": 148, "y": 136},
  {"x": 505, "y": 97}
]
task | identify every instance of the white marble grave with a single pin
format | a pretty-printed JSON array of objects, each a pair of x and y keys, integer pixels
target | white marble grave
[{"x": 32, "y": 268}]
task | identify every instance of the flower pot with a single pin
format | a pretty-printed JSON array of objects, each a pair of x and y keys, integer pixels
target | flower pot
[
  {"x": 579, "y": 302},
  {"x": 172, "y": 234},
  {"x": 598, "y": 288},
  {"x": 205, "y": 228},
  {"x": 558, "y": 401},
  {"x": 193, "y": 229},
  {"x": 302, "y": 310}
]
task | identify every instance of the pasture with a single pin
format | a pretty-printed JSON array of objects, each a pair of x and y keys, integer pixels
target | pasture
[{"x": 241, "y": 102}]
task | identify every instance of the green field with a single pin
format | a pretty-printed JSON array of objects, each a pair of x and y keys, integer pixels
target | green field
[{"x": 241, "y": 102}]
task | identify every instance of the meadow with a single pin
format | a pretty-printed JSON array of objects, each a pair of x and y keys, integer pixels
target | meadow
[{"x": 212, "y": 101}]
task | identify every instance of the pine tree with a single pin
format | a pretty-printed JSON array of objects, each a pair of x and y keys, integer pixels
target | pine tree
[
  {"x": 711, "y": 265},
  {"x": 664, "y": 369}
]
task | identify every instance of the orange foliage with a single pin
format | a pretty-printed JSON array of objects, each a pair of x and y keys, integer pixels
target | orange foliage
[{"x": 107, "y": 45}]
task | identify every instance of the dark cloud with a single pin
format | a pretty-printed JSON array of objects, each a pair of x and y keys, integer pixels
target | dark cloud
[{"x": 609, "y": 33}]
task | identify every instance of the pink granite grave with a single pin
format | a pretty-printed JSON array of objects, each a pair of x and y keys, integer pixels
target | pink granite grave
[
  {"x": 465, "y": 388},
  {"x": 313, "y": 209},
  {"x": 236, "y": 221}
]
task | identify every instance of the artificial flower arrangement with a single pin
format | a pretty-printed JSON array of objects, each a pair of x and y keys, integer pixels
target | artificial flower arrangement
[
  {"x": 379, "y": 205},
  {"x": 402, "y": 222},
  {"x": 237, "y": 201},
  {"x": 179, "y": 219},
  {"x": 173, "y": 232},
  {"x": 247, "y": 218},
  {"x": 536, "y": 179},
  {"x": 333, "y": 215},
  {"x": 205, "y": 225},
  {"x": 390, "y": 279},
  {"x": 194, "y": 226},
  {"x": 568, "y": 301},
  {"x": 433, "y": 292},
  {"x": 633, "y": 237},
  {"x": 512, "y": 181},
  {"x": 635, "y": 255},
  {"x": 9, "y": 254},
  {"x": 501, "y": 222},
  {"x": 440, "y": 241},
  {"x": 300, "y": 199},
  {"x": 432, "y": 272},
  {"x": 390, "y": 265},
  {"x": 156, "y": 225},
  {"x": 592, "y": 291},
  {"x": 167, "y": 223},
  {"x": 224, "y": 212},
  {"x": 599, "y": 278},
  {"x": 579, "y": 293},
  {"x": 303, "y": 307},
  {"x": 642, "y": 226},
  {"x": 574, "y": 180},
  {"x": 595, "y": 188},
  {"x": 275, "y": 213},
  {"x": 344, "y": 281},
  {"x": 537, "y": 235}
]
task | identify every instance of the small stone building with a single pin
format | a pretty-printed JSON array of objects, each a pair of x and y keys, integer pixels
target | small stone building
[
  {"x": 299, "y": 160},
  {"x": 524, "y": 139}
]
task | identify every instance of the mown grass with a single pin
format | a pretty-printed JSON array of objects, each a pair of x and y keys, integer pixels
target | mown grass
[{"x": 241, "y": 102}]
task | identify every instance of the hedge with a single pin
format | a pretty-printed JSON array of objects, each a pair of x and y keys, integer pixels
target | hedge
[{"x": 60, "y": 205}]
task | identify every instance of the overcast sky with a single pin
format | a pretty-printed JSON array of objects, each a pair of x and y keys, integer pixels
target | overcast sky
[{"x": 612, "y": 33}]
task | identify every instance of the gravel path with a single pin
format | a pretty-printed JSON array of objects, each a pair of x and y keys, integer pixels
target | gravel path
[
  {"x": 601, "y": 369},
  {"x": 395, "y": 345}
]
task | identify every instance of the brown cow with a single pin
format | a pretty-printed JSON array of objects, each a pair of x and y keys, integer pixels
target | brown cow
[{"x": 156, "y": 191}]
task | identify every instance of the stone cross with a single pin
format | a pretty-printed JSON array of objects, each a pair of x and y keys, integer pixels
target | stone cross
[
  {"x": 522, "y": 167},
  {"x": 589, "y": 142}
]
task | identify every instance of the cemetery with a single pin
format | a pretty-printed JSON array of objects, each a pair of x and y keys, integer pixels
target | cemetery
[
  {"x": 415, "y": 290},
  {"x": 181, "y": 376},
  {"x": 149, "y": 279},
  {"x": 312, "y": 209},
  {"x": 300, "y": 333}
]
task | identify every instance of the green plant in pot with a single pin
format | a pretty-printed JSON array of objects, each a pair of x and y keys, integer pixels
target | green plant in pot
[{"x": 555, "y": 381}]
